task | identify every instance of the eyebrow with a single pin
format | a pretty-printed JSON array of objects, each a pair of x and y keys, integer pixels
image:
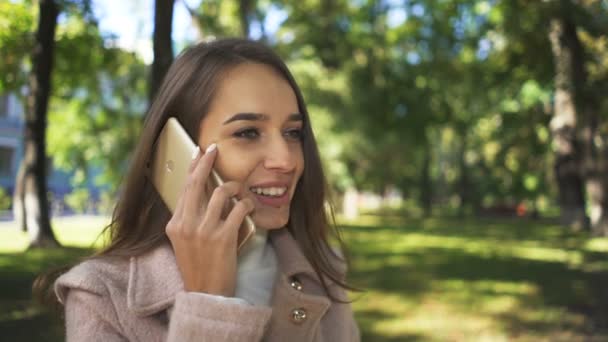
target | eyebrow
[{"x": 261, "y": 117}]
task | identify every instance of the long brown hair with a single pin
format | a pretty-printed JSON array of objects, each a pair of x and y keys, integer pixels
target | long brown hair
[{"x": 139, "y": 218}]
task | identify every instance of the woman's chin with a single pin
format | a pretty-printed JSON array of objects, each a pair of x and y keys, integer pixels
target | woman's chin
[{"x": 269, "y": 223}]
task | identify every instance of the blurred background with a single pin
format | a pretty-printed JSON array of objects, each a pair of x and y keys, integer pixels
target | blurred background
[{"x": 465, "y": 144}]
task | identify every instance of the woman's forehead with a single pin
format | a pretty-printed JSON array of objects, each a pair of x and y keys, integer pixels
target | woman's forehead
[{"x": 255, "y": 89}]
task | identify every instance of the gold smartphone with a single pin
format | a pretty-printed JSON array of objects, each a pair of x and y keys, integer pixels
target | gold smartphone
[{"x": 171, "y": 160}]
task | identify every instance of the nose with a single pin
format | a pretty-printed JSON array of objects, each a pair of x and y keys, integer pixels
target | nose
[{"x": 280, "y": 155}]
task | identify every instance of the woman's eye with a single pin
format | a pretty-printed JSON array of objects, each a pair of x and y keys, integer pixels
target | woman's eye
[
  {"x": 247, "y": 133},
  {"x": 295, "y": 134}
]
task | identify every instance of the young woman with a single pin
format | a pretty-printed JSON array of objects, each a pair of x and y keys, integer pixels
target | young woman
[{"x": 178, "y": 277}]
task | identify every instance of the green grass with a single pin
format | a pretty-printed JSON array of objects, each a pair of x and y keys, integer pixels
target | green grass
[
  {"x": 477, "y": 280},
  {"x": 20, "y": 318},
  {"x": 76, "y": 231},
  {"x": 424, "y": 280}
]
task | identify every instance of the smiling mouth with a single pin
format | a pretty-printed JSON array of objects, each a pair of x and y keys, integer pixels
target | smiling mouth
[
  {"x": 271, "y": 196},
  {"x": 269, "y": 191}
]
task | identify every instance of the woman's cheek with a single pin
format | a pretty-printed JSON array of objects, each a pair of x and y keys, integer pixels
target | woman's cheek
[{"x": 234, "y": 164}]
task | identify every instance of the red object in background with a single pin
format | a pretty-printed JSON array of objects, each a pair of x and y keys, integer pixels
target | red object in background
[{"x": 521, "y": 210}]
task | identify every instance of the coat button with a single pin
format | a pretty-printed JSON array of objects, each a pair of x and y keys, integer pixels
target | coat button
[
  {"x": 298, "y": 316},
  {"x": 296, "y": 284}
]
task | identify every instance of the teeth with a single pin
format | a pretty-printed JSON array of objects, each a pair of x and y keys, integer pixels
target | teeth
[{"x": 272, "y": 191}]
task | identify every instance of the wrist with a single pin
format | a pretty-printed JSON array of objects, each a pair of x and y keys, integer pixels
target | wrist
[{"x": 211, "y": 290}]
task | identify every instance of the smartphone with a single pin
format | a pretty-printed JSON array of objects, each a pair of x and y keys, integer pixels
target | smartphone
[{"x": 169, "y": 166}]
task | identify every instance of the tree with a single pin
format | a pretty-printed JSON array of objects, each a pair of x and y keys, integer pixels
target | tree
[
  {"x": 31, "y": 202},
  {"x": 246, "y": 8},
  {"x": 568, "y": 151},
  {"x": 214, "y": 18},
  {"x": 96, "y": 116},
  {"x": 580, "y": 161},
  {"x": 163, "y": 45}
]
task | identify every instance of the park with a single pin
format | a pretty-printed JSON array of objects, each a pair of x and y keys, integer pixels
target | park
[{"x": 463, "y": 143}]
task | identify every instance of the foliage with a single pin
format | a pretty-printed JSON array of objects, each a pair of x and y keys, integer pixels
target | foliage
[
  {"x": 5, "y": 199},
  {"x": 464, "y": 85},
  {"x": 215, "y": 18},
  {"x": 448, "y": 101},
  {"x": 95, "y": 117},
  {"x": 16, "y": 41},
  {"x": 78, "y": 200}
]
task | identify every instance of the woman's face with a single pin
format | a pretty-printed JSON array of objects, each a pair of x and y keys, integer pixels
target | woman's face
[{"x": 255, "y": 121}]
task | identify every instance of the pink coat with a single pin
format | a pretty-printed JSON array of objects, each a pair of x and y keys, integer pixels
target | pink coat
[{"x": 142, "y": 299}]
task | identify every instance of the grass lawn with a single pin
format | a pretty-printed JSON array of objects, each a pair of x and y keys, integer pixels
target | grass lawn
[
  {"x": 424, "y": 280},
  {"x": 477, "y": 280},
  {"x": 20, "y": 319}
]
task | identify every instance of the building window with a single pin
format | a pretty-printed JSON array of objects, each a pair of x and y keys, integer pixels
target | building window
[{"x": 6, "y": 160}]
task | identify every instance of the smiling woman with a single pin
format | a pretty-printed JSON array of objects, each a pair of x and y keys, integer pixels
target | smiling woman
[
  {"x": 258, "y": 130},
  {"x": 177, "y": 276}
]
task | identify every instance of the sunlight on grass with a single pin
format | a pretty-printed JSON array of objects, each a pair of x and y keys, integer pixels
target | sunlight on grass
[
  {"x": 12, "y": 240},
  {"x": 480, "y": 247},
  {"x": 597, "y": 245},
  {"x": 456, "y": 310},
  {"x": 428, "y": 280},
  {"x": 437, "y": 319},
  {"x": 430, "y": 317},
  {"x": 81, "y": 231},
  {"x": 453, "y": 280},
  {"x": 74, "y": 231}
]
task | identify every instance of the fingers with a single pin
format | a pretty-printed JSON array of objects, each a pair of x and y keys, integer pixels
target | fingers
[
  {"x": 192, "y": 215},
  {"x": 238, "y": 213},
  {"x": 219, "y": 198},
  {"x": 196, "y": 156},
  {"x": 197, "y": 179}
]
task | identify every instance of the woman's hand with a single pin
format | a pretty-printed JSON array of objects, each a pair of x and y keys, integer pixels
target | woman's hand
[{"x": 204, "y": 243}]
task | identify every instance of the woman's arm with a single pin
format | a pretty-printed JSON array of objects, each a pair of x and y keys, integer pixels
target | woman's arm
[
  {"x": 198, "y": 317},
  {"x": 195, "y": 317}
]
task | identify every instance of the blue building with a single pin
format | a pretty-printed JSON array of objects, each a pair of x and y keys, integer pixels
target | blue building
[{"x": 11, "y": 140}]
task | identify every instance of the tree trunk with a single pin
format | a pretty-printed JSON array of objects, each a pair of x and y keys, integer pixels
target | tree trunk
[
  {"x": 463, "y": 183},
  {"x": 594, "y": 169},
  {"x": 31, "y": 202},
  {"x": 163, "y": 47},
  {"x": 426, "y": 185},
  {"x": 563, "y": 125},
  {"x": 245, "y": 7},
  {"x": 597, "y": 191}
]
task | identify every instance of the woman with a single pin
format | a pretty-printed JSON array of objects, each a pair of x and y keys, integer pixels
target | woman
[{"x": 178, "y": 277}]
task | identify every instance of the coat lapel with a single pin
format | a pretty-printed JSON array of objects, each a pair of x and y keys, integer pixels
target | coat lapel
[
  {"x": 154, "y": 281},
  {"x": 286, "y": 300},
  {"x": 290, "y": 257}
]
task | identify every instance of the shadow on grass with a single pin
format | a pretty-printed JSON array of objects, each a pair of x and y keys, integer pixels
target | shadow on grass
[
  {"x": 489, "y": 228},
  {"x": 20, "y": 318},
  {"x": 413, "y": 271},
  {"x": 388, "y": 261}
]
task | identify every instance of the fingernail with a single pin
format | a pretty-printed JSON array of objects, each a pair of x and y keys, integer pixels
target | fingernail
[
  {"x": 211, "y": 148},
  {"x": 196, "y": 152}
]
